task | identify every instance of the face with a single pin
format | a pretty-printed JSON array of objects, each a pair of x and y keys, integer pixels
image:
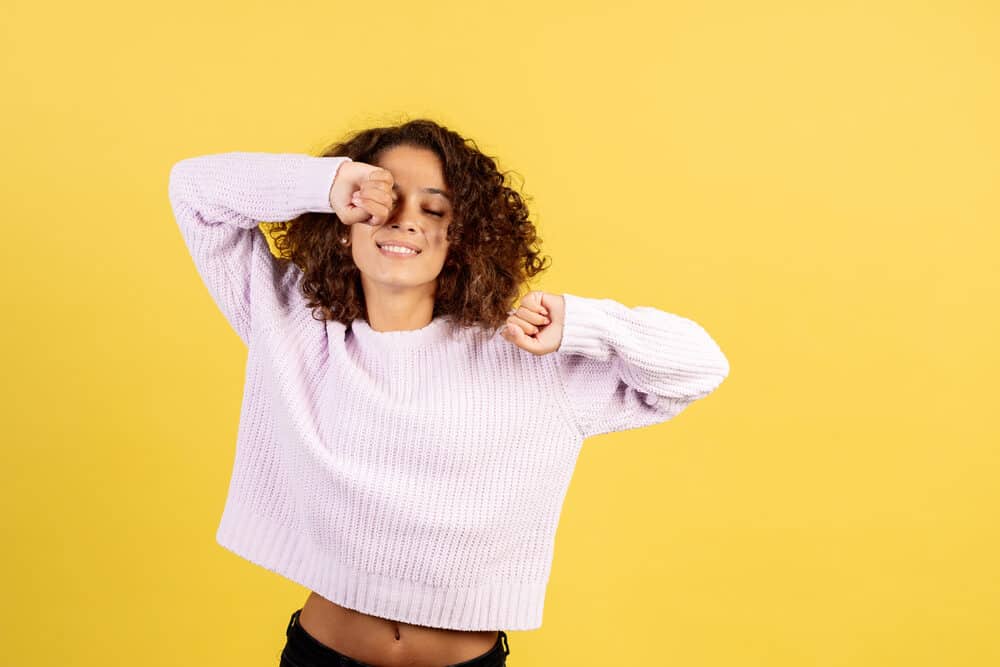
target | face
[{"x": 419, "y": 218}]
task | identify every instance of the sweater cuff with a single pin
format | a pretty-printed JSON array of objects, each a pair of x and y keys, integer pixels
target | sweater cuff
[
  {"x": 585, "y": 327},
  {"x": 313, "y": 181}
]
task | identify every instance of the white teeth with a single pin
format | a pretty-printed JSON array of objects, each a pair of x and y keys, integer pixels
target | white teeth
[{"x": 400, "y": 249}]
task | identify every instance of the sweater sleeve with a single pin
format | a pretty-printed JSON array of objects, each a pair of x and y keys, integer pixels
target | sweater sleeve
[
  {"x": 623, "y": 368},
  {"x": 218, "y": 201}
]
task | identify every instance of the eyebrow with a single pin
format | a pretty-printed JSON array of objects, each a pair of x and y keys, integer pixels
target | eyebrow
[{"x": 433, "y": 191}]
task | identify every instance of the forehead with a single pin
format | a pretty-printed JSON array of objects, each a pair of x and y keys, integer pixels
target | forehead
[{"x": 412, "y": 166}]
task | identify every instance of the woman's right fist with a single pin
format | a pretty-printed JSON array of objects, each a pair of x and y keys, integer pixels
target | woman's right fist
[{"x": 362, "y": 192}]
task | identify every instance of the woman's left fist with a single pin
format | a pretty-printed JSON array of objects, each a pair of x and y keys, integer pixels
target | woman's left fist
[{"x": 536, "y": 325}]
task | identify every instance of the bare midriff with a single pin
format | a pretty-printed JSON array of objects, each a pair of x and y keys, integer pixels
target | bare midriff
[{"x": 386, "y": 643}]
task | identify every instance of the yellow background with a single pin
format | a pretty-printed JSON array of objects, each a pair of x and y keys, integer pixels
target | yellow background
[{"x": 814, "y": 183}]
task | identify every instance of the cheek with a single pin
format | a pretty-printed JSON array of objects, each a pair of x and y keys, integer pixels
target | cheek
[
  {"x": 440, "y": 248},
  {"x": 357, "y": 235},
  {"x": 360, "y": 253},
  {"x": 361, "y": 242},
  {"x": 438, "y": 240}
]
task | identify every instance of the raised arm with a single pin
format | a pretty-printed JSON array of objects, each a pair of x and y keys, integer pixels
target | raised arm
[
  {"x": 219, "y": 200},
  {"x": 623, "y": 367}
]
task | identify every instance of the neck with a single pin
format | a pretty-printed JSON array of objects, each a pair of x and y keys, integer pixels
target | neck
[
  {"x": 396, "y": 309},
  {"x": 399, "y": 311}
]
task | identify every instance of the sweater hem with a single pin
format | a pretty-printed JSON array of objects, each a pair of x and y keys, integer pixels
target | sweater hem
[{"x": 279, "y": 549}]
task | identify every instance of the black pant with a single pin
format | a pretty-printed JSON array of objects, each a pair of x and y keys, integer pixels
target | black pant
[{"x": 304, "y": 650}]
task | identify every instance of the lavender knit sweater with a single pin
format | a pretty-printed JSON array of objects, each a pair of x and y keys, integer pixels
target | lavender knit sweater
[{"x": 413, "y": 475}]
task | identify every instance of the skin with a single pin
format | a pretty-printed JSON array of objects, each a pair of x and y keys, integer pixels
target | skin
[{"x": 383, "y": 201}]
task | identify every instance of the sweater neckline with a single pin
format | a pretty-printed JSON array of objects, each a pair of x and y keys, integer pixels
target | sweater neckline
[{"x": 428, "y": 334}]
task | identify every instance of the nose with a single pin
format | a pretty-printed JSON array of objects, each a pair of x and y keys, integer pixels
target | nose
[
  {"x": 404, "y": 217},
  {"x": 404, "y": 224}
]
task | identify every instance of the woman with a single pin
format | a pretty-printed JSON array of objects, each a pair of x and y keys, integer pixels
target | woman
[{"x": 410, "y": 422}]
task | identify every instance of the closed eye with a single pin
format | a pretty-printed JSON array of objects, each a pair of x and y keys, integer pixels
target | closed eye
[{"x": 440, "y": 214}]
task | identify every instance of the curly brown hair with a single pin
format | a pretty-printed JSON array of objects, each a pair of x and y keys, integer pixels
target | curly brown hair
[{"x": 492, "y": 245}]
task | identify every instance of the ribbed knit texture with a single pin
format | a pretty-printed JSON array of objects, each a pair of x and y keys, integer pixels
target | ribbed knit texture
[{"x": 413, "y": 475}]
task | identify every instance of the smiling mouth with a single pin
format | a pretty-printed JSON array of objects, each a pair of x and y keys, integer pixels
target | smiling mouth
[{"x": 391, "y": 250}]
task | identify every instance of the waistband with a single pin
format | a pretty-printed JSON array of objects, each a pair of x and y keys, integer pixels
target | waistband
[{"x": 305, "y": 646}]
